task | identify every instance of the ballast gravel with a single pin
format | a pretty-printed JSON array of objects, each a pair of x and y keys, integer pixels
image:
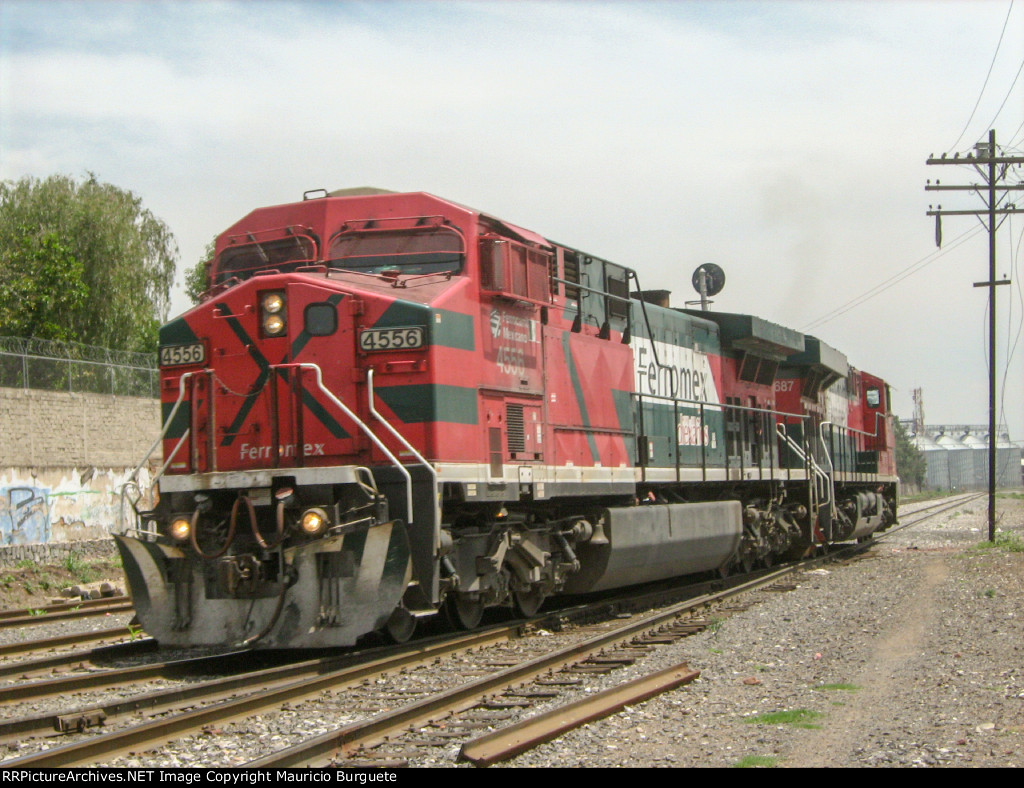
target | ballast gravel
[
  {"x": 913, "y": 656},
  {"x": 910, "y": 656}
]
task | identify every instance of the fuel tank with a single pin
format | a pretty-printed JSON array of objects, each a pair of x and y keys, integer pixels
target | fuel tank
[{"x": 657, "y": 541}]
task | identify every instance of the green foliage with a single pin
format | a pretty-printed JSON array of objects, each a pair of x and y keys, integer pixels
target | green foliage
[
  {"x": 1005, "y": 540},
  {"x": 41, "y": 281},
  {"x": 197, "y": 276},
  {"x": 106, "y": 262},
  {"x": 800, "y": 718},
  {"x": 838, "y": 687},
  {"x": 756, "y": 762},
  {"x": 82, "y": 571},
  {"x": 911, "y": 465}
]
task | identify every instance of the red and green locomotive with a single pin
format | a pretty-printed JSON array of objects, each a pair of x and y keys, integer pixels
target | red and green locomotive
[{"x": 389, "y": 406}]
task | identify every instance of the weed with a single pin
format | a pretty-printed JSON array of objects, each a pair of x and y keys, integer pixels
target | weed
[
  {"x": 715, "y": 624},
  {"x": 990, "y": 592},
  {"x": 82, "y": 571},
  {"x": 25, "y": 563},
  {"x": 756, "y": 762},
  {"x": 715, "y": 650},
  {"x": 36, "y": 612},
  {"x": 1005, "y": 540},
  {"x": 801, "y": 718},
  {"x": 839, "y": 687},
  {"x": 134, "y": 631}
]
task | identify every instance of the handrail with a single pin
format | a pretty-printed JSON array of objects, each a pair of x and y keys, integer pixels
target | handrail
[
  {"x": 167, "y": 424},
  {"x": 362, "y": 425},
  {"x": 809, "y": 459},
  {"x": 401, "y": 439}
]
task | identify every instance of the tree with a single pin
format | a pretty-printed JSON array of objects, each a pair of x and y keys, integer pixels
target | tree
[
  {"x": 196, "y": 277},
  {"x": 40, "y": 280},
  {"x": 83, "y": 260},
  {"x": 911, "y": 464}
]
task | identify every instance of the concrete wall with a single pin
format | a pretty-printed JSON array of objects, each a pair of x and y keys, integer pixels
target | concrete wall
[{"x": 63, "y": 459}]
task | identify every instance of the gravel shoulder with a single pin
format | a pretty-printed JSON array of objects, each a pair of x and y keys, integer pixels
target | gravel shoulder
[{"x": 911, "y": 656}]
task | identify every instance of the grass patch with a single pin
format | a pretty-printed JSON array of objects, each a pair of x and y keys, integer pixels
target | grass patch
[
  {"x": 800, "y": 718},
  {"x": 1011, "y": 542},
  {"x": 838, "y": 687},
  {"x": 81, "y": 570},
  {"x": 756, "y": 762}
]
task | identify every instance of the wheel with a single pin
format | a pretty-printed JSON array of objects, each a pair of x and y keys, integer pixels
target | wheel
[
  {"x": 462, "y": 611},
  {"x": 528, "y": 601},
  {"x": 401, "y": 625}
]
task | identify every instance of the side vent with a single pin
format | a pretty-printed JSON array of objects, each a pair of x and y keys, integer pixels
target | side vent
[{"x": 514, "y": 428}]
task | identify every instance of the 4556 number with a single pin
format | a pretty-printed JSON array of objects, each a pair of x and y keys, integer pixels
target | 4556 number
[
  {"x": 391, "y": 338},
  {"x": 177, "y": 355}
]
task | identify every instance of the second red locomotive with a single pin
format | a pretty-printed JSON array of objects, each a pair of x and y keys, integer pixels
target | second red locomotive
[{"x": 390, "y": 405}]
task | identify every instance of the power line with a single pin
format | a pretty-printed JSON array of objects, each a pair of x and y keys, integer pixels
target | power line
[
  {"x": 987, "y": 76},
  {"x": 893, "y": 280},
  {"x": 1008, "y": 94}
]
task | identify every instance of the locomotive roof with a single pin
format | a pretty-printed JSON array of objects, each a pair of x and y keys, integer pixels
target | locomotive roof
[{"x": 754, "y": 334}]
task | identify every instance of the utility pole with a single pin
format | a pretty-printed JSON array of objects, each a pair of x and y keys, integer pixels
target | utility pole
[{"x": 993, "y": 168}]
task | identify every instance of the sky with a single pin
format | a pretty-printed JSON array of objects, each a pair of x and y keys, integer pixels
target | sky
[{"x": 783, "y": 141}]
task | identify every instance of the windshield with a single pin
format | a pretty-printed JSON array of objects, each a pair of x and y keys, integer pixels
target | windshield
[
  {"x": 241, "y": 262},
  {"x": 431, "y": 251}
]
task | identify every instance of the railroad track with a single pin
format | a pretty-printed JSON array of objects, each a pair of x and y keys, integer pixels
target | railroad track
[
  {"x": 21, "y": 617},
  {"x": 360, "y": 741}
]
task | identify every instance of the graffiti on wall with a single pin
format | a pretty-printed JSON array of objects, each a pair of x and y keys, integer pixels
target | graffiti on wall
[
  {"x": 65, "y": 505},
  {"x": 24, "y": 515}
]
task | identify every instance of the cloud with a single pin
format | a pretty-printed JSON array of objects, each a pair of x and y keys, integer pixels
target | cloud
[{"x": 783, "y": 141}]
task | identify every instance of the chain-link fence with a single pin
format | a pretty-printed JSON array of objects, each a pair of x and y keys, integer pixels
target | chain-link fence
[{"x": 69, "y": 366}]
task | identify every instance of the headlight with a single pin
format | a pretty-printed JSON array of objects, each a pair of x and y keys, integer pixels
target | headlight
[
  {"x": 272, "y": 313},
  {"x": 273, "y": 303},
  {"x": 180, "y": 529},
  {"x": 313, "y": 521},
  {"x": 273, "y": 325}
]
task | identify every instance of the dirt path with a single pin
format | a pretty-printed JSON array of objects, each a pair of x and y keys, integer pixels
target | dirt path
[{"x": 899, "y": 647}]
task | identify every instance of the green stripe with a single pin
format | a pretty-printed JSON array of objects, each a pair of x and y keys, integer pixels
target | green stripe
[
  {"x": 577, "y": 387},
  {"x": 425, "y": 402},
  {"x": 177, "y": 332},
  {"x": 623, "y": 401},
  {"x": 443, "y": 327},
  {"x": 181, "y": 419}
]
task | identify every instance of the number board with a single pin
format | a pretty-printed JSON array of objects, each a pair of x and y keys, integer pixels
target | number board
[
  {"x": 391, "y": 338},
  {"x": 177, "y": 355}
]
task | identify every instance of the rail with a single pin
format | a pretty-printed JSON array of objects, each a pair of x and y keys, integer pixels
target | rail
[
  {"x": 732, "y": 422},
  {"x": 829, "y": 447}
]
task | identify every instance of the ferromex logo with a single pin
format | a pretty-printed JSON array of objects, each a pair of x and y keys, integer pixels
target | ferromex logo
[
  {"x": 678, "y": 373},
  {"x": 250, "y": 452}
]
